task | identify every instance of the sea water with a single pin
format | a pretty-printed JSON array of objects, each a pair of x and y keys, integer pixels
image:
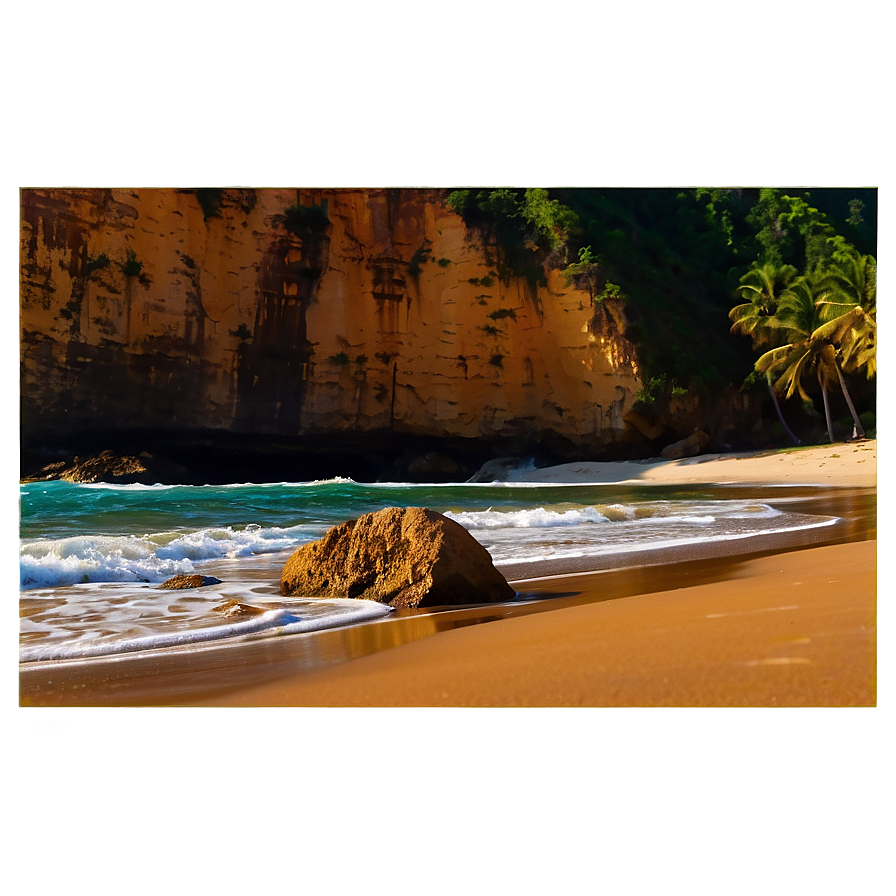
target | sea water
[{"x": 92, "y": 555}]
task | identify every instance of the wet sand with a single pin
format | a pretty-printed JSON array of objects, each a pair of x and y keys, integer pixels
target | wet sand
[
  {"x": 787, "y": 629},
  {"x": 797, "y": 629}
]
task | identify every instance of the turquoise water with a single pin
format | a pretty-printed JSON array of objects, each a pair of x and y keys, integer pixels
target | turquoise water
[{"x": 91, "y": 555}]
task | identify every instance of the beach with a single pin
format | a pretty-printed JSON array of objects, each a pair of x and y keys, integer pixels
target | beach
[
  {"x": 790, "y": 629},
  {"x": 767, "y": 621}
]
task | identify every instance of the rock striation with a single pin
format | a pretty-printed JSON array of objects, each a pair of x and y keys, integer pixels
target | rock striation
[
  {"x": 404, "y": 557},
  {"x": 302, "y": 314}
]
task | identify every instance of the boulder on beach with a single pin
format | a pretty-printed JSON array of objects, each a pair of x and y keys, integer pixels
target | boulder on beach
[
  {"x": 179, "y": 583},
  {"x": 693, "y": 445},
  {"x": 404, "y": 557}
]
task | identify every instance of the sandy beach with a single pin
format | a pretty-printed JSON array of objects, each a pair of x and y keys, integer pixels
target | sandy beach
[
  {"x": 848, "y": 464},
  {"x": 790, "y": 629},
  {"x": 789, "y": 623}
]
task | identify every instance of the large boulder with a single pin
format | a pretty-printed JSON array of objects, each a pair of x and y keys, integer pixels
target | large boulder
[
  {"x": 404, "y": 557},
  {"x": 693, "y": 445}
]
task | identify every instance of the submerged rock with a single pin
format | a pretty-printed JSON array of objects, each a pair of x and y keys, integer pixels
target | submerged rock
[
  {"x": 178, "y": 583},
  {"x": 233, "y": 607},
  {"x": 404, "y": 557}
]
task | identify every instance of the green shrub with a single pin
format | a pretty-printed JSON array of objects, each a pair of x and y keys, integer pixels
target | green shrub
[
  {"x": 132, "y": 267},
  {"x": 418, "y": 259},
  {"x": 487, "y": 281},
  {"x": 301, "y": 220},
  {"x": 210, "y": 201},
  {"x": 525, "y": 226},
  {"x": 501, "y": 313}
]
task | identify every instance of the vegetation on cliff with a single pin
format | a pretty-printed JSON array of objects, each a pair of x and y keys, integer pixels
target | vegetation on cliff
[{"x": 680, "y": 258}]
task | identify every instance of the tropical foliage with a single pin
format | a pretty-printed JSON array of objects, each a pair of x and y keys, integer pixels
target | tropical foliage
[
  {"x": 679, "y": 259},
  {"x": 818, "y": 326},
  {"x": 526, "y": 227}
]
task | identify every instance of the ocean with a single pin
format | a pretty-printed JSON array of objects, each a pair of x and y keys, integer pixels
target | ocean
[{"x": 92, "y": 555}]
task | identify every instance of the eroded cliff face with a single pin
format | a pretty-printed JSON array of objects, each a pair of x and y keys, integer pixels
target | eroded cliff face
[{"x": 302, "y": 313}]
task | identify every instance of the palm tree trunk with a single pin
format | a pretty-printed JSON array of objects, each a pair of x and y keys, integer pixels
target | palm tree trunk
[
  {"x": 859, "y": 430},
  {"x": 827, "y": 407},
  {"x": 768, "y": 380}
]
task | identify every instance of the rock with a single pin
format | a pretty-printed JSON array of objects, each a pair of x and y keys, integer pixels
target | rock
[
  {"x": 110, "y": 467},
  {"x": 436, "y": 467},
  {"x": 47, "y": 473},
  {"x": 233, "y": 607},
  {"x": 411, "y": 557},
  {"x": 177, "y": 583},
  {"x": 499, "y": 469},
  {"x": 644, "y": 424},
  {"x": 693, "y": 445}
]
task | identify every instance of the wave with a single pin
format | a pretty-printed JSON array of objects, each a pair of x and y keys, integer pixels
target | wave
[
  {"x": 537, "y": 517},
  {"x": 46, "y": 563},
  {"x": 659, "y": 512}
]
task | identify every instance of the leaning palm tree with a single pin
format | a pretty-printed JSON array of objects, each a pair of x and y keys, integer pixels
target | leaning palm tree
[
  {"x": 808, "y": 346},
  {"x": 851, "y": 298},
  {"x": 761, "y": 288}
]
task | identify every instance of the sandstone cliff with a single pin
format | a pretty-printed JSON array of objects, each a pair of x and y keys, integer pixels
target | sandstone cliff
[{"x": 298, "y": 314}]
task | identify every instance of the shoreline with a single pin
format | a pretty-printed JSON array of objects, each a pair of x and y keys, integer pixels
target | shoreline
[
  {"x": 277, "y": 671},
  {"x": 310, "y": 670}
]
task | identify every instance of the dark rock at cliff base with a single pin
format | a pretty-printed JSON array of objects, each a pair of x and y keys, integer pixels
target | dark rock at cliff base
[
  {"x": 501, "y": 469},
  {"x": 107, "y": 466},
  {"x": 693, "y": 445},
  {"x": 179, "y": 583},
  {"x": 436, "y": 467},
  {"x": 404, "y": 557}
]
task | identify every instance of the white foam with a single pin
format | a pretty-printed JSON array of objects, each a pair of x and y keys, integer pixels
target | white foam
[
  {"x": 127, "y": 487},
  {"x": 596, "y": 550},
  {"x": 70, "y": 561},
  {"x": 148, "y": 558},
  {"x": 273, "y": 622},
  {"x": 535, "y": 518}
]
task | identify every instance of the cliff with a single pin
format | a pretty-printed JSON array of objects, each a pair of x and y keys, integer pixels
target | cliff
[{"x": 313, "y": 317}]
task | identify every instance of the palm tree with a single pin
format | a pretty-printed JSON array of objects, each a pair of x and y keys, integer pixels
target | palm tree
[
  {"x": 809, "y": 345},
  {"x": 762, "y": 287},
  {"x": 851, "y": 287}
]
